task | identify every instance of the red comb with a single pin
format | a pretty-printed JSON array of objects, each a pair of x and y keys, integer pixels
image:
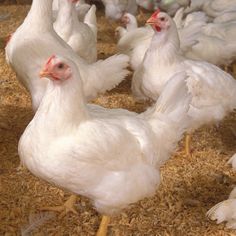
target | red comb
[
  {"x": 155, "y": 14},
  {"x": 50, "y": 59}
]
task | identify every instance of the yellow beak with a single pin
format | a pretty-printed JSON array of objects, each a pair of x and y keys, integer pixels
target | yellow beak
[
  {"x": 44, "y": 73},
  {"x": 151, "y": 21}
]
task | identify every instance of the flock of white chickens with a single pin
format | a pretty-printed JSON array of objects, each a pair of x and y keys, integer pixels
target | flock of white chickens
[{"x": 113, "y": 156}]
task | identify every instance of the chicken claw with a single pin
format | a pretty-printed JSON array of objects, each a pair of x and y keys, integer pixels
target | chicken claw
[{"x": 67, "y": 207}]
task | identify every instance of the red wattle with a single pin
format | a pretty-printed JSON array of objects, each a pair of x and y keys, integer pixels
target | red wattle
[{"x": 158, "y": 28}]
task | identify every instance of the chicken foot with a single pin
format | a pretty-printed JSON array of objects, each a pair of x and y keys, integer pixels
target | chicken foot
[{"x": 67, "y": 207}]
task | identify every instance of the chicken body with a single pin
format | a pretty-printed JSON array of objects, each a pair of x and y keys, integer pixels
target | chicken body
[{"x": 110, "y": 156}]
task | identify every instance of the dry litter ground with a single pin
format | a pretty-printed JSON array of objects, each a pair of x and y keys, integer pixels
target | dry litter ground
[{"x": 189, "y": 188}]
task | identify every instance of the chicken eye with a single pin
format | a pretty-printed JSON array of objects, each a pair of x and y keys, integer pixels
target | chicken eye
[
  {"x": 60, "y": 66},
  {"x": 162, "y": 18}
]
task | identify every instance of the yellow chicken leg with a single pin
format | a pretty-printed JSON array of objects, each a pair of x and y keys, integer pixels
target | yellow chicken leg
[
  {"x": 102, "y": 231},
  {"x": 68, "y": 206},
  {"x": 188, "y": 144},
  {"x": 234, "y": 69}
]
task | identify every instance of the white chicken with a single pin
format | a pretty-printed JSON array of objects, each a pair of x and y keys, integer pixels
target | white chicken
[
  {"x": 232, "y": 161},
  {"x": 181, "y": 21},
  {"x": 129, "y": 21},
  {"x": 35, "y": 40},
  {"x": 136, "y": 42},
  {"x": 213, "y": 90},
  {"x": 111, "y": 156},
  {"x": 217, "y": 8},
  {"x": 216, "y": 44},
  {"x": 196, "y": 5},
  {"x": 80, "y": 36},
  {"x": 226, "y": 210},
  {"x": 228, "y": 16},
  {"x": 114, "y": 9},
  {"x": 171, "y": 6},
  {"x": 226, "y": 31},
  {"x": 81, "y": 9},
  {"x": 212, "y": 8}
]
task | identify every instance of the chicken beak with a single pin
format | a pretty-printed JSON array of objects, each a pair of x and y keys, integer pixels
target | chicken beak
[
  {"x": 151, "y": 21},
  {"x": 44, "y": 73}
]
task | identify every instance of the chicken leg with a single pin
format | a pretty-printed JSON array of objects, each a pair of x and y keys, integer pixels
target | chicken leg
[
  {"x": 234, "y": 69},
  {"x": 102, "y": 231},
  {"x": 188, "y": 144},
  {"x": 68, "y": 206}
]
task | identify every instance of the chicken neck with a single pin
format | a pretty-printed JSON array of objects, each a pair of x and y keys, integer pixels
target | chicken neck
[
  {"x": 164, "y": 48},
  {"x": 63, "y": 106}
]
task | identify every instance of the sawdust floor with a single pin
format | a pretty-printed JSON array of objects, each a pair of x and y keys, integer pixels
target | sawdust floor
[{"x": 189, "y": 188}]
